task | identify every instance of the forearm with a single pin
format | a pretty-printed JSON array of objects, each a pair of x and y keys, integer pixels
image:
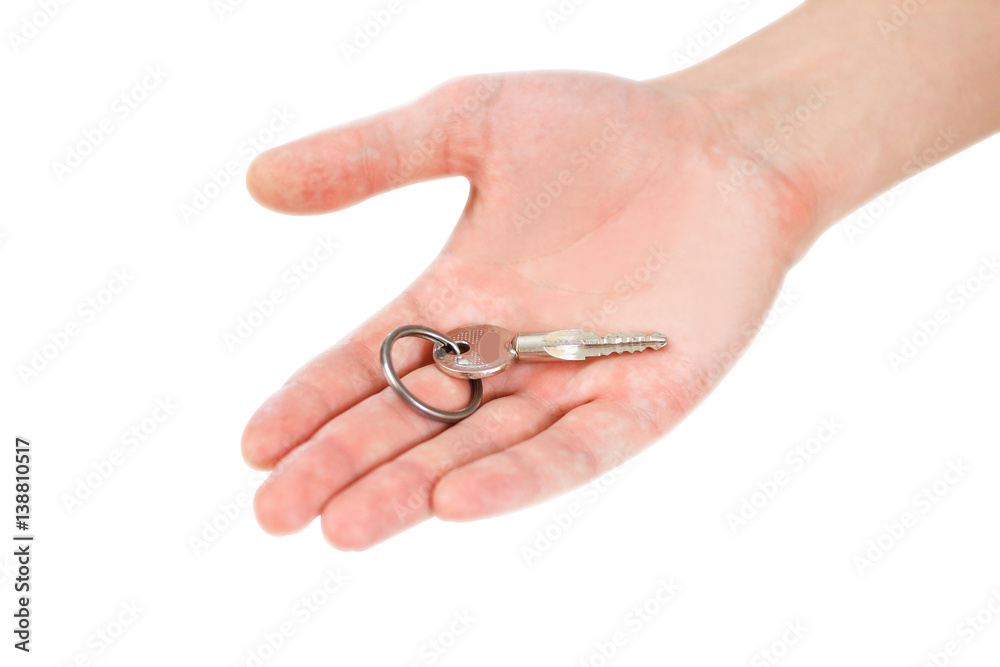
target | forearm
[{"x": 848, "y": 97}]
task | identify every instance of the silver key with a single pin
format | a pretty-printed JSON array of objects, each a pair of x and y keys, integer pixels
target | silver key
[{"x": 488, "y": 349}]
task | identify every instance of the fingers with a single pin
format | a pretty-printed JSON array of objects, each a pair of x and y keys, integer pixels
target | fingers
[
  {"x": 583, "y": 444},
  {"x": 327, "y": 385},
  {"x": 396, "y": 495},
  {"x": 369, "y": 434},
  {"x": 440, "y": 134}
]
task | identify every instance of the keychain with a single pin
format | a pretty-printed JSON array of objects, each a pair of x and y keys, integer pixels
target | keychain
[{"x": 477, "y": 351}]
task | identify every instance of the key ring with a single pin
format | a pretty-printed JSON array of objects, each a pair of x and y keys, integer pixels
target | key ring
[{"x": 446, "y": 416}]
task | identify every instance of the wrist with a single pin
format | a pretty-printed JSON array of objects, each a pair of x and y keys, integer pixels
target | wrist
[
  {"x": 838, "y": 109},
  {"x": 765, "y": 134}
]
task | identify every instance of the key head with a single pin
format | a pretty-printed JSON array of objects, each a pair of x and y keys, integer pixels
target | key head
[{"x": 489, "y": 350}]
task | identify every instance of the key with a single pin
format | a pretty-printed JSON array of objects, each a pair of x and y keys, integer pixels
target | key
[{"x": 488, "y": 349}]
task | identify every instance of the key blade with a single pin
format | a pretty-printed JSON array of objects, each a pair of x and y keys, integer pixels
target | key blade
[{"x": 577, "y": 344}]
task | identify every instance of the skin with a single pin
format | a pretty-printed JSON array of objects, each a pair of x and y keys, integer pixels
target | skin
[{"x": 651, "y": 230}]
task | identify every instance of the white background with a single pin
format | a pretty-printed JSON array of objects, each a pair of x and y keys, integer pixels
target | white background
[{"x": 663, "y": 516}]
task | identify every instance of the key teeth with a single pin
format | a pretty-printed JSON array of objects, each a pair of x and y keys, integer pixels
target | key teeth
[
  {"x": 632, "y": 342},
  {"x": 579, "y": 344}
]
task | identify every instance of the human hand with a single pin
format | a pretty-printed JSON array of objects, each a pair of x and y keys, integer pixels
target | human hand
[{"x": 594, "y": 203}]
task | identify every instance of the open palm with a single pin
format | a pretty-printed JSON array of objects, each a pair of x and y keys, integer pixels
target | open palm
[{"x": 595, "y": 203}]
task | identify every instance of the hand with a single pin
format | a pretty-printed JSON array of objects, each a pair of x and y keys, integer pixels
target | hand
[{"x": 595, "y": 203}]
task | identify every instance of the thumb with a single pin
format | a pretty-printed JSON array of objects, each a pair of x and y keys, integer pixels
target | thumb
[{"x": 440, "y": 134}]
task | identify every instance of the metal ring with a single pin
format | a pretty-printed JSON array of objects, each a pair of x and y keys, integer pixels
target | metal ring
[{"x": 446, "y": 416}]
